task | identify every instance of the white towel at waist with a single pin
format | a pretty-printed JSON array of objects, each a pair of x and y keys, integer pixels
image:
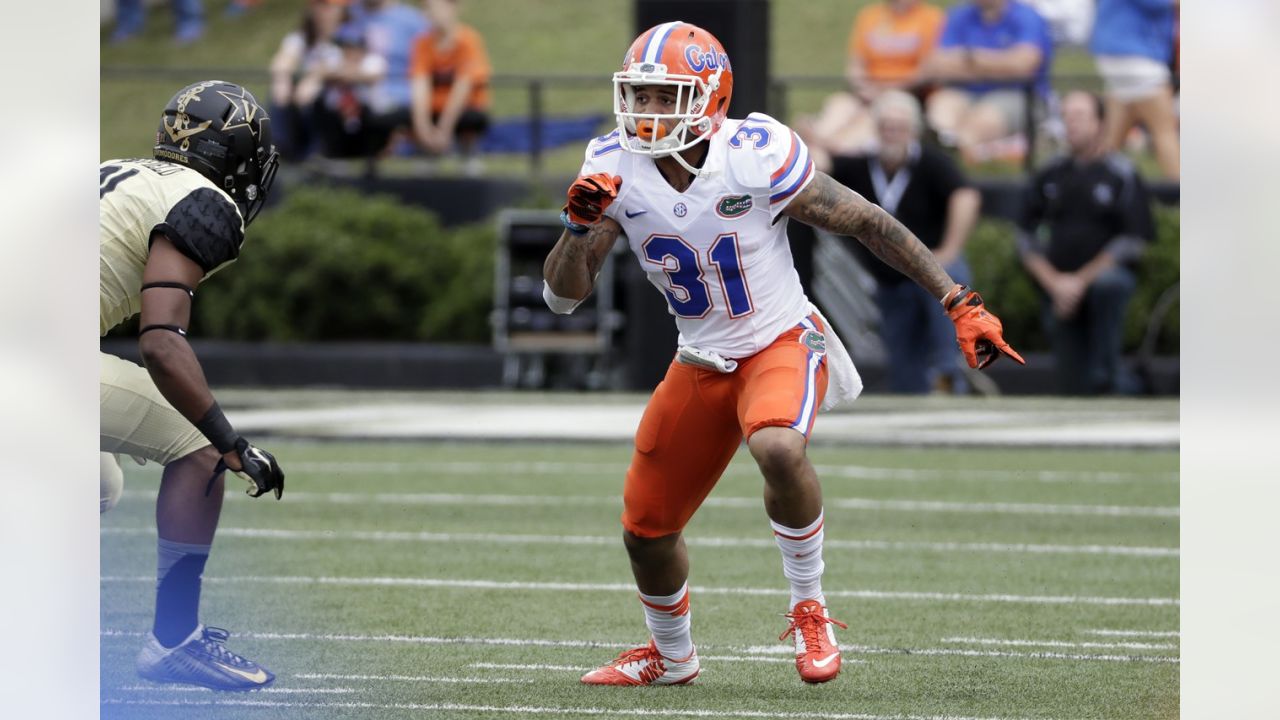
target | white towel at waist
[{"x": 843, "y": 382}]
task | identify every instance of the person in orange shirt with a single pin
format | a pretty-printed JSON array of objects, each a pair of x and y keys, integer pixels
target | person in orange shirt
[
  {"x": 449, "y": 78},
  {"x": 887, "y": 46}
]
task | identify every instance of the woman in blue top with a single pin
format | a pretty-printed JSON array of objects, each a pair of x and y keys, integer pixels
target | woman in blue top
[{"x": 1133, "y": 45}]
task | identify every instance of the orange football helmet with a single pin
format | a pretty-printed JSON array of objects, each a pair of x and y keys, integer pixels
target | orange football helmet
[{"x": 688, "y": 59}]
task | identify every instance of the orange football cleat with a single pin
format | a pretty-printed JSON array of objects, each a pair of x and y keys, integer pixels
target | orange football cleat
[
  {"x": 817, "y": 655},
  {"x": 645, "y": 666}
]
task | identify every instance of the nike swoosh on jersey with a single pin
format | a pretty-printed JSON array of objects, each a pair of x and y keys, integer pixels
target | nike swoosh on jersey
[
  {"x": 257, "y": 677},
  {"x": 637, "y": 213},
  {"x": 826, "y": 660}
]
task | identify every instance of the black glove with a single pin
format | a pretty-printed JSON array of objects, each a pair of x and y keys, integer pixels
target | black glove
[{"x": 257, "y": 466}]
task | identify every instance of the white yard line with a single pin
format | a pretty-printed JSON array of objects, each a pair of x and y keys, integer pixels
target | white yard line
[
  {"x": 611, "y": 541},
  {"x": 496, "y": 585},
  {"x": 530, "y": 666},
  {"x": 711, "y": 658},
  {"x": 753, "y": 503},
  {"x": 544, "y": 710},
  {"x": 268, "y": 690},
  {"x": 412, "y": 678},
  {"x": 1004, "y": 508},
  {"x": 1136, "y": 633},
  {"x": 751, "y": 654},
  {"x": 746, "y": 658},
  {"x": 410, "y": 639},
  {"x": 1010, "y": 654},
  {"x": 855, "y": 472},
  {"x": 1061, "y": 643}
]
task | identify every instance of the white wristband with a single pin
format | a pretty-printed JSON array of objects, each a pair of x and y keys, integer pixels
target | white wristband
[{"x": 558, "y": 305}]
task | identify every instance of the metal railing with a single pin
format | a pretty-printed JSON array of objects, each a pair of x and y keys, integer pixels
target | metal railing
[{"x": 535, "y": 87}]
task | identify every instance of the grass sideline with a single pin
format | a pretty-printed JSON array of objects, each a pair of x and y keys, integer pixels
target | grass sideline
[{"x": 477, "y": 581}]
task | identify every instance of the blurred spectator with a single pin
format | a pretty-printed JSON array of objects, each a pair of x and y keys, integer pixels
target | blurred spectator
[
  {"x": 298, "y": 72},
  {"x": 237, "y": 8},
  {"x": 1085, "y": 224},
  {"x": 389, "y": 29},
  {"x": 1070, "y": 21},
  {"x": 344, "y": 117},
  {"x": 450, "y": 83},
  {"x": 921, "y": 187},
  {"x": 990, "y": 50},
  {"x": 188, "y": 16},
  {"x": 887, "y": 46},
  {"x": 1133, "y": 43}
]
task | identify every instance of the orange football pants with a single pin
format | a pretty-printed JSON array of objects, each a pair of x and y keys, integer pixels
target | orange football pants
[{"x": 698, "y": 417}]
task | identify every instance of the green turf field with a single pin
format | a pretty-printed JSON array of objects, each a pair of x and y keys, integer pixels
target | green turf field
[{"x": 479, "y": 581}]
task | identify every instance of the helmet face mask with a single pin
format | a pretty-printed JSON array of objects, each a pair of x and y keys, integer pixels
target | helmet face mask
[
  {"x": 259, "y": 177},
  {"x": 687, "y": 62},
  {"x": 218, "y": 129}
]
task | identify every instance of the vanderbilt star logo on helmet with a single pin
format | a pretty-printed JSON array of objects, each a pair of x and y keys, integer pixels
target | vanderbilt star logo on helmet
[{"x": 245, "y": 111}]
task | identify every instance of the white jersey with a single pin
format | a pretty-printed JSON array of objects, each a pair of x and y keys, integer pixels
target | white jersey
[
  {"x": 718, "y": 251},
  {"x": 140, "y": 197}
]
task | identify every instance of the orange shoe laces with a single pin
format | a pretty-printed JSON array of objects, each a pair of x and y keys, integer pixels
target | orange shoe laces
[
  {"x": 810, "y": 626},
  {"x": 641, "y": 654}
]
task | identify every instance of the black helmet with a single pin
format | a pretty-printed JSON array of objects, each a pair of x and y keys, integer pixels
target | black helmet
[{"x": 218, "y": 129}]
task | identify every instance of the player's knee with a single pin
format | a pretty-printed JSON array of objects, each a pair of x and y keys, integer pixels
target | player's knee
[
  {"x": 205, "y": 456},
  {"x": 779, "y": 451},
  {"x": 641, "y": 548}
]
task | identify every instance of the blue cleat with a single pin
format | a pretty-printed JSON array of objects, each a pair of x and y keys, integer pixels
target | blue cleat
[{"x": 201, "y": 660}]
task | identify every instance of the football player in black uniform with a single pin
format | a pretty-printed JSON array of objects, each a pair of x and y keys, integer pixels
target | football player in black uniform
[{"x": 166, "y": 224}]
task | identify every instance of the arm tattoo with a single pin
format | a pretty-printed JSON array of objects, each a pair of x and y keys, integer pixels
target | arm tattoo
[
  {"x": 835, "y": 208},
  {"x": 575, "y": 261}
]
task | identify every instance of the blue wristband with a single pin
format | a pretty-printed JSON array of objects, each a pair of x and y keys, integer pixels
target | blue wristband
[{"x": 572, "y": 226}]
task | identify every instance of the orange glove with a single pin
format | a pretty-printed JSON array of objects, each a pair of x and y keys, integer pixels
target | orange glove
[
  {"x": 590, "y": 195},
  {"x": 978, "y": 332}
]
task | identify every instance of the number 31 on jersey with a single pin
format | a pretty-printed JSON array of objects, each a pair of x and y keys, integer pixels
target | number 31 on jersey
[{"x": 689, "y": 294}]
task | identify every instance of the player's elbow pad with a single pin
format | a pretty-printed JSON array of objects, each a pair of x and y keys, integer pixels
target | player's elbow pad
[{"x": 559, "y": 305}]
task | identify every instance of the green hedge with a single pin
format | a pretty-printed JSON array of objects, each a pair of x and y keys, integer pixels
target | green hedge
[
  {"x": 999, "y": 275},
  {"x": 334, "y": 264}
]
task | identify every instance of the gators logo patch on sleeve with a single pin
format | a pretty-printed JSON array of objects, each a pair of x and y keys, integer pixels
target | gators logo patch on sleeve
[{"x": 731, "y": 206}]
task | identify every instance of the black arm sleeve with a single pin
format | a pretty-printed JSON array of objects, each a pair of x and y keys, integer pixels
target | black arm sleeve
[{"x": 205, "y": 226}]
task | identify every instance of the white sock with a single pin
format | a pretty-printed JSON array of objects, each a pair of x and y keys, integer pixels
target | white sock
[
  {"x": 802, "y": 559},
  {"x": 668, "y": 618}
]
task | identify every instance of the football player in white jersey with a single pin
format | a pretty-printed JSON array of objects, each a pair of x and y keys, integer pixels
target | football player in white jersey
[
  {"x": 166, "y": 223},
  {"x": 704, "y": 202}
]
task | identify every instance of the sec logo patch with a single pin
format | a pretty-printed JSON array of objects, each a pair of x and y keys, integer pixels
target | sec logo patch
[{"x": 680, "y": 209}]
